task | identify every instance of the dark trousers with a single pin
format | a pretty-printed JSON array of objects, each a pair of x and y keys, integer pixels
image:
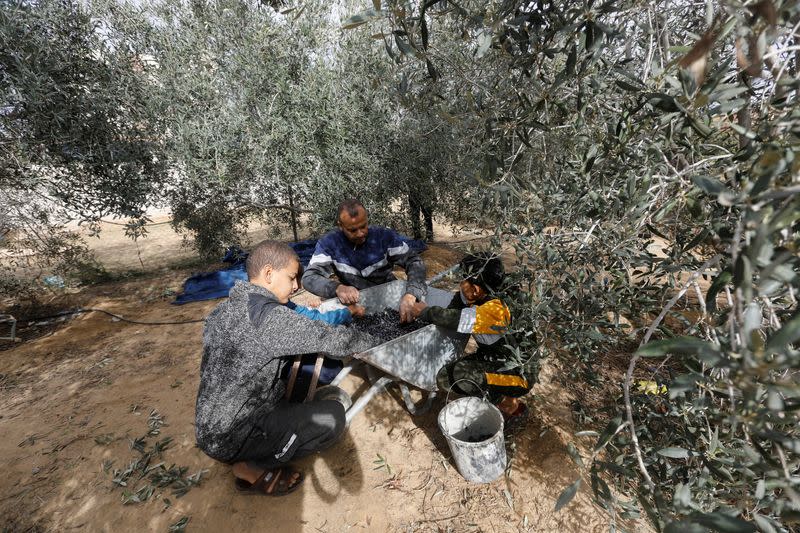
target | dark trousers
[
  {"x": 420, "y": 207},
  {"x": 469, "y": 375},
  {"x": 292, "y": 430}
]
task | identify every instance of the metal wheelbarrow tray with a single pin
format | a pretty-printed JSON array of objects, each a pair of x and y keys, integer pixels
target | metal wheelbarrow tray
[{"x": 414, "y": 358}]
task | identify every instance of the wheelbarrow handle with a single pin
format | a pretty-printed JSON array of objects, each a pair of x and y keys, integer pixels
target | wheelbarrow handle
[{"x": 442, "y": 274}]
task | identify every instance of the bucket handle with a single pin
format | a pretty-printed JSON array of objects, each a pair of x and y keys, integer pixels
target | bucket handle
[
  {"x": 484, "y": 397},
  {"x": 484, "y": 394}
]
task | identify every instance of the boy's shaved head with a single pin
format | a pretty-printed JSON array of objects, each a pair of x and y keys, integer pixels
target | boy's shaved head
[{"x": 277, "y": 254}]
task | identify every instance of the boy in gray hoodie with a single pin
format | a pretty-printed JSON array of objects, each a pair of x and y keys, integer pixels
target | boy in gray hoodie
[{"x": 242, "y": 417}]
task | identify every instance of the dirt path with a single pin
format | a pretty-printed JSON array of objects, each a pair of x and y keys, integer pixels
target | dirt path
[{"x": 76, "y": 398}]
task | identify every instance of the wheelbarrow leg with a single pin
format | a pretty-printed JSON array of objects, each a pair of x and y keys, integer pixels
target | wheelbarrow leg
[
  {"x": 362, "y": 401},
  {"x": 344, "y": 372},
  {"x": 416, "y": 409}
]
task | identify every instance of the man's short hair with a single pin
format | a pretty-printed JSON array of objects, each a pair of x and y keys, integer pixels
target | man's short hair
[
  {"x": 274, "y": 253},
  {"x": 485, "y": 270},
  {"x": 351, "y": 206}
]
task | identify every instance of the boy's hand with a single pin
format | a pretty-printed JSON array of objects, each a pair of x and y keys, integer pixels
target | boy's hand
[
  {"x": 406, "y": 307},
  {"x": 313, "y": 304},
  {"x": 356, "y": 310},
  {"x": 347, "y": 295}
]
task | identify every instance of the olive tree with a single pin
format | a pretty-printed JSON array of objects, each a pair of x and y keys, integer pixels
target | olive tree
[
  {"x": 628, "y": 151},
  {"x": 75, "y": 140},
  {"x": 265, "y": 113}
]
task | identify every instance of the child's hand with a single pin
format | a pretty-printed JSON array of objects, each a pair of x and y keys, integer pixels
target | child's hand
[
  {"x": 406, "y": 308},
  {"x": 356, "y": 310},
  {"x": 313, "y": 304}
]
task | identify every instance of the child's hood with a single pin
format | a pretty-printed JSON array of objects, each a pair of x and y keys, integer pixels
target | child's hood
[{"x": 242, "y": 290}]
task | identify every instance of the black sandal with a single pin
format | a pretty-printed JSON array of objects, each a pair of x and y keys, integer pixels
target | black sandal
[{"x": 272, "y": 482}]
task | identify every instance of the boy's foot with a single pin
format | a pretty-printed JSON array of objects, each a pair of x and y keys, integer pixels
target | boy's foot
[
  {"x": 271, "y": 482},
  {"x": 509, "y": 406},
  {"x": 514, "y": 412}
]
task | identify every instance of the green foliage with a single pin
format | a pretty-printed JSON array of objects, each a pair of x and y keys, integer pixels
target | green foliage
[
  {"x": 261, "y": 115},
  {"x": 225, "y": 111},
  {"x": 73, "y": 128},
  {"x": 75, "y": 142},
  {"x": 616, "y": 164}
]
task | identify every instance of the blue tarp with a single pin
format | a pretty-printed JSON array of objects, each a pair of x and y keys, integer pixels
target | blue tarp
[{"x": 212, "y": 285}]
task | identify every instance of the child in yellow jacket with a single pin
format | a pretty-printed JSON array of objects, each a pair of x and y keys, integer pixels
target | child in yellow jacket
[{"x": 477, "y": 311}]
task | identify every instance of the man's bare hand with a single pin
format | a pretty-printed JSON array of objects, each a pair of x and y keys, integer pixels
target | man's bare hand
[
  {"x": 356, "y": 310},
  {"x": 407, "y": 308},
  {"x": 347, "y": 295}
]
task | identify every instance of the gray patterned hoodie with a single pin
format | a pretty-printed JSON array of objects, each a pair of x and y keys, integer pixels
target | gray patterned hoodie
[{"x": 246, "y": 341}]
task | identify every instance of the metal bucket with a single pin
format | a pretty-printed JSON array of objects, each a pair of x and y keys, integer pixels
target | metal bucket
[{"x": 473, "y": 428}]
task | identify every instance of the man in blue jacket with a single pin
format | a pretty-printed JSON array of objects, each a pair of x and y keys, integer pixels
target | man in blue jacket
[{"x": 362, "y": 256}]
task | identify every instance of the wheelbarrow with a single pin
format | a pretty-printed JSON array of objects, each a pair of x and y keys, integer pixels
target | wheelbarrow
[{"x": 412, "y": 359}]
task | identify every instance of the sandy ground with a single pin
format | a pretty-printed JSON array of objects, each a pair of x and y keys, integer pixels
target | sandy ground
[
  {"x": 77, "y": 396},
  {"x": 163, "y": 246}
]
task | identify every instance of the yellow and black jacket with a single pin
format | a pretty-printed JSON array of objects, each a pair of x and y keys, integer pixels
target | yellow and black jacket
[{"x": 488, "y": 322}]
